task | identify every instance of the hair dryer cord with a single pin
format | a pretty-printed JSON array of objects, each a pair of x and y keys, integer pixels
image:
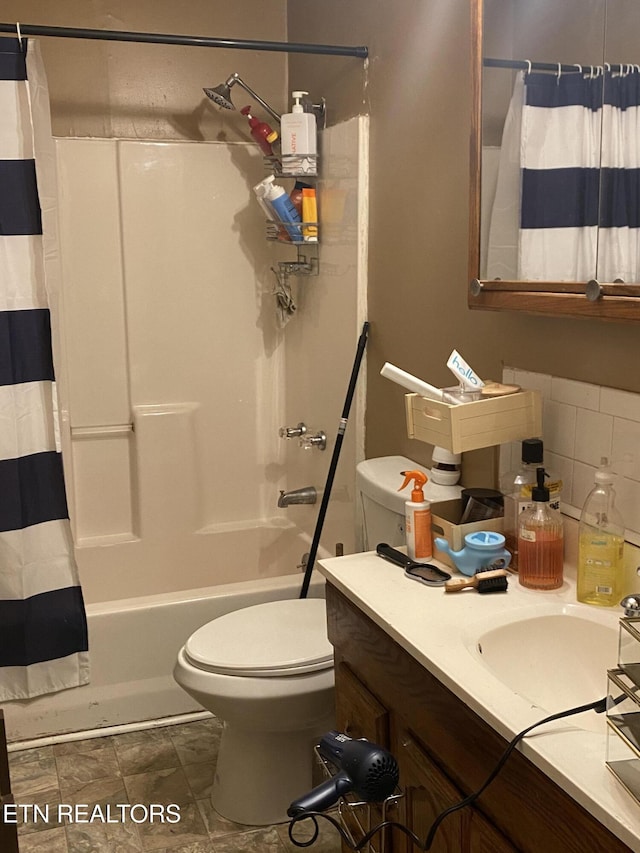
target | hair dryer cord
[{"x": 599, "y": 707}]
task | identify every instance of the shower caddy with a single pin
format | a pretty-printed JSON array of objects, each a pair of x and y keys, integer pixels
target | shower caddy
[{"x": 307, "y": 259}]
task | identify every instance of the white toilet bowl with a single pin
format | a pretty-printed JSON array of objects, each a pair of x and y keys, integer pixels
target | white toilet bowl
[{"x": 267, "y": 672}]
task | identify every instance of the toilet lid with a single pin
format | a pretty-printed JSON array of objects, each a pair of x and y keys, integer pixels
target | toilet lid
[{"x": 276, "y": 638}]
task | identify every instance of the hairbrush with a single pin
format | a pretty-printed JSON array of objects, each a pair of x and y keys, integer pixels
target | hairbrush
[{"x": 494, "y": 580}]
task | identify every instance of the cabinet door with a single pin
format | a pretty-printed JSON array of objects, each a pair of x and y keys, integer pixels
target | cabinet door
[
  {"x": 485, "y": 838},
  {"x": 360, "y": 715},
  {"x": 427, "y": 792}
]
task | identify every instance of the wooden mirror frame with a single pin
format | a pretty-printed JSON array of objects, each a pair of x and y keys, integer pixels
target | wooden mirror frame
[{"x": 604, "y": 301}]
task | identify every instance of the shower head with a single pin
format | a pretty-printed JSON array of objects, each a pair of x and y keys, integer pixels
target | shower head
[{"x": 221, "y": 95}]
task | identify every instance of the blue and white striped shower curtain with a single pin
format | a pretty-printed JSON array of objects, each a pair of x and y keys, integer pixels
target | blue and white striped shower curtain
[
  {"x": 43, "y": 629},
  {"x": 567, "y": 197}
]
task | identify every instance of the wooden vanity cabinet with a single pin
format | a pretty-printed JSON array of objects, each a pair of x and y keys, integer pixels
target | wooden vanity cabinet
[{"x": 445, "y": 752}]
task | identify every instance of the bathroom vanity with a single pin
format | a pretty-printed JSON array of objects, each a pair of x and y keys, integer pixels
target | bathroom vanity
[{"x": 428, "y": 675}]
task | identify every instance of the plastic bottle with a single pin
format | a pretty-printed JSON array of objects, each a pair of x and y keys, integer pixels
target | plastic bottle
[
  {"x": 261, "y": 132},
  {"x": 540, "y": 541},
  {"x": 516, "y": 486},
  {"x": 296, "y": 195},
  {"x": 417, "y": 517},
  {"x": 298, "y": 140},
  {"x": 285, "y": 211},
  {"x": 601, "y": 544},
  {"x": 309, "y": 215}
]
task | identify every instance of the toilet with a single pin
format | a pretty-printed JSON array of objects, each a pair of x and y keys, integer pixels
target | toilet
[
  {"x": 266, "y": 671},
  {"x": 380, "y": 510}
]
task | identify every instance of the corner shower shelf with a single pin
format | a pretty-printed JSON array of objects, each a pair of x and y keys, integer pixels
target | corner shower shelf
[{"x": 307, "y": 261}]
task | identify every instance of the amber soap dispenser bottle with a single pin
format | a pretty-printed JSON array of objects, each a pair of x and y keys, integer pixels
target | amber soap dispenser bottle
[{"x": 540, "y": 541}]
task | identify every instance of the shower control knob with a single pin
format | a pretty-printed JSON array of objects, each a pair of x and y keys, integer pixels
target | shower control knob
[
  {"x": 292, "y": 432},
  {"x": 319, "y": 440}
]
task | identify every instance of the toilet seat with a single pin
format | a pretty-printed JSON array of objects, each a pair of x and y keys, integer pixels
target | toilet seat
[{"x": 277, "y": 638}]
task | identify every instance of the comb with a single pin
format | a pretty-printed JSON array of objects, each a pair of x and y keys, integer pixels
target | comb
[{"x": 491, "y": 581}]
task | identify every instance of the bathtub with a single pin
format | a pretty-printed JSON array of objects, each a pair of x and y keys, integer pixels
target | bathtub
[{"x": 133, "y": 646}]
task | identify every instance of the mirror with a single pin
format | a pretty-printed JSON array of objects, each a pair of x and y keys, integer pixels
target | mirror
[{"x": 549, "y": 231}]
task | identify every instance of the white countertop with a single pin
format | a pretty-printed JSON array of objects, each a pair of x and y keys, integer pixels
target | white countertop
[{"x": 440, "y": 629}]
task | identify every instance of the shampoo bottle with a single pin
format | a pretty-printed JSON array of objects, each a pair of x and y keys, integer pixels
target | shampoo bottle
[
  {"x": 601, "y": 544},
  {"x": 298, "y": 140},
  {"x": 417, "y": 517},
  {"x": 540, "y": 541}
]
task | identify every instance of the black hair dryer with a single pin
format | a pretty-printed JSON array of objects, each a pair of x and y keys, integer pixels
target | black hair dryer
[{"x": 363, "y": 767}]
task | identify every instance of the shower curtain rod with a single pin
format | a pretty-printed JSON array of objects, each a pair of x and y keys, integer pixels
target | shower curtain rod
[
  {"x": 194, "y": 41},
  {"x": 525, "y": 65}
]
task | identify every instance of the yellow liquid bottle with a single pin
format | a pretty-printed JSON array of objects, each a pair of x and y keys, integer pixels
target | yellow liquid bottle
[
  {"x": 601, "y": 545},
  {"x": 600, "y": 567}
]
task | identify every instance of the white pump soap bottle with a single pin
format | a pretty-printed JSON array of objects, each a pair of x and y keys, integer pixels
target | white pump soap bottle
[{"x": 298, "y": 142}]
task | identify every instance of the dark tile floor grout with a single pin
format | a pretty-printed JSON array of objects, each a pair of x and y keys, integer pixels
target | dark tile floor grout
[{"x": 96, "y": 779}]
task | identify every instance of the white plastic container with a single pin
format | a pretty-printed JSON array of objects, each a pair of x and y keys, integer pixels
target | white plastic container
[{"x": 298, "y": 140}]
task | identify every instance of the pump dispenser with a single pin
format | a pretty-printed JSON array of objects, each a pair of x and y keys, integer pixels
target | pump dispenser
[
  {"x": 516, "y": 486},
  {"x": 417, "y": 517},
  {"x": 540, "y": 541},
  {"x": 261, "y": 132},
  {"x": 298, "y": 139}
]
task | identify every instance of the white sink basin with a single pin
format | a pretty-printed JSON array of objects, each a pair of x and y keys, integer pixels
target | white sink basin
[{"x": 554, "y": 656}]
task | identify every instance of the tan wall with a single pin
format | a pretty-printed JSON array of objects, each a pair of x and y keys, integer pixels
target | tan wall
[
  {"x": 417, "y": 90},
  {"x": 149, "y": 91}
]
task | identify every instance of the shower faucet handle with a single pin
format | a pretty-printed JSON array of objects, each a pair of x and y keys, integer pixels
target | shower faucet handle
[
  {"x": 319, "y": 440},
  {"x": 292, "y": 432}
]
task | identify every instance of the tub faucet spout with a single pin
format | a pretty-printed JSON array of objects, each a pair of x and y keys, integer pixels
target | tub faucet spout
[{"x": 306, "y": 495}]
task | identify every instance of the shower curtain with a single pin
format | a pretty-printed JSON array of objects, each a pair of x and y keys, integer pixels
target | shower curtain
[
  {"x": 619, "y": 223},
  {"x": 43, "y": 629},
  {"x": 566, "y": 204}
]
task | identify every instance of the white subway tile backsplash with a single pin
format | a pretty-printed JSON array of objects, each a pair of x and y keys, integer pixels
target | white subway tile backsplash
[
  {"x": 583, "y": 482},
  {"x": 628, "y": 502},
  {"x": 581, "y": 424},
  {"x": 534, "y": 382},
  {"x": 621, "y": 403},
  {"x": 563, "y": 467},
  {"x": 625, "y": 450},
  {"x": 580, "y": 394},
  {"x": 594, "y": 434},
  {"x": 559, "y": 428},
  {"x": 509, "y": 375}
]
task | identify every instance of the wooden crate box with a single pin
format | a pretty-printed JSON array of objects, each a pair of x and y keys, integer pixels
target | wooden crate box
[{"x": 471, "y": 426}]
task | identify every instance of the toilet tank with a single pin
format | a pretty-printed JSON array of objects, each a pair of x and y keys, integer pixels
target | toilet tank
[{"x": 380, "y": 516}]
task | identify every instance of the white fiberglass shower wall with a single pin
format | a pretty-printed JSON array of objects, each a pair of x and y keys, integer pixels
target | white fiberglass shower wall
[{"x": 176, "y": 374}]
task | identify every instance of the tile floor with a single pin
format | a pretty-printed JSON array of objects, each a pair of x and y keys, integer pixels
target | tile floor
[{"x": 172, "y": 764}]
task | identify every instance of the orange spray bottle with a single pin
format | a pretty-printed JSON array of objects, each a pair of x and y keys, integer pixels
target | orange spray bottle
[{"x": 417, "y": 517}]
